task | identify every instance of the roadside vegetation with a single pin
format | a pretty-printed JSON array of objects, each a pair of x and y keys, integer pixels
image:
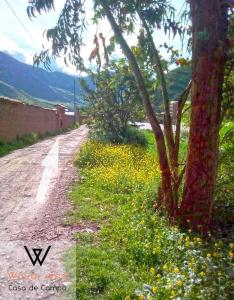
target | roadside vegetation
[
  {"x": 27, "y": 140},
  {"x": 21, "y": 142},
  {"x": 134, "y": 253}
]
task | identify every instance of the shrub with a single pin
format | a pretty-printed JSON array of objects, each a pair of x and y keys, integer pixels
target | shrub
[
  {"x": 224, "y": 195},
  {"x": 129, "y": 135},
  {"x": 112, "y": 100}
]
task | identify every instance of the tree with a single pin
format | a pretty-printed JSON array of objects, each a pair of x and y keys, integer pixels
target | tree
[
  {"x": 112, "y": 101},
  {"x": 209, "y": 36},
  {"x": 209, "y": 32}
]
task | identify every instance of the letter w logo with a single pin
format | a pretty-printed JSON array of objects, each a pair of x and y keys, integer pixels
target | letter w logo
[{"x": 37, "y": 253}]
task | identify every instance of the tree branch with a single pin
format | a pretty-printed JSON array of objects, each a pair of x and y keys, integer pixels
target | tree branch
[
  {"x": 163, "y": 159},
  {"x": 136, "y": 71},
  {"x": 181, "y": 104},
  {"x": 157, "y": 62},
  {"x": 181, "y": 177}
]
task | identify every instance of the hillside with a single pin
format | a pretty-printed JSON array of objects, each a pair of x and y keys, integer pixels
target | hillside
[
  {"x": 177, "y": 80},
  {"x": 34, "y": 85},
  {"x": 9, "y": 91}
]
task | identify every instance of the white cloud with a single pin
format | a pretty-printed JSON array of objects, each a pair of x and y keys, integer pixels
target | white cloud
[
  {"x": 14, "y": 38},
  {"x": 67, "y": 69},
  {"x": 7, "y": 43}
]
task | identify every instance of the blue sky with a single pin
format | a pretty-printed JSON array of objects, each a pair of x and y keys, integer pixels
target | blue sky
[{"x": 15, "y": 39}]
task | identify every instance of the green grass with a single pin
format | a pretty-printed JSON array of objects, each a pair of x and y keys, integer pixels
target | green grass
[
  {"x": 27, "y": 140},
  {"x": 177, "y": 80},
  {"x": 21, "y": 142},
  {"x": 136, "y": 254}
]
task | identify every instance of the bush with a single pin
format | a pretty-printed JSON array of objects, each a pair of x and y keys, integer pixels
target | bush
[
  {"x": 19, "y": 142},
  {"x": 130, "y": 135},
  {"x": 112, "y": 100},
  {"x": 2, "y": 143},
  {"x": 29, "y": 139},
  {"x": 224, "y": 196}
]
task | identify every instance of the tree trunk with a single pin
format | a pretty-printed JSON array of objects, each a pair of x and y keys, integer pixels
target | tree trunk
[
  {"x": 166, "y": 186},
  {"x": 209, "y": 23}
]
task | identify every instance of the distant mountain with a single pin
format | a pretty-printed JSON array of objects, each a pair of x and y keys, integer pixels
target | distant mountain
[
  {"x": 35, "y": 85},
  {"x": 9, "y": 91},
  {"x": 22, "y": 58},
  {"x": 17, "y": 55}
]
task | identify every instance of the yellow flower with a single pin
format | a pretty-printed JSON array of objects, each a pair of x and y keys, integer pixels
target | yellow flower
[
  {"x": 169, "y": 286},
  {"x": 173, "y": 293},
  {"x": 141, "y": 297},
  {"x": 215, "y": 254},
  {"x": 219, "y": 274},
  {"x": 149, "y": 297},
  {"x": 197, "y": 240},
  {"x": 165, "y": 267},
  {"x": 191, "y": 263},
  {"x": 202, "y": 274},
  {"x": 159, "y": 276},
  {"x": 152, "y": 270},
  {"x": 179, "y": 282},
  {"x": 176, "y": 270},
  {"x": 208, "y": 255},
  {"x": 219, "y": 244},
  {"x": 127, "y": 298},
  {"x": 230, "y": 254},
  {"x": 154, "y": 289}
]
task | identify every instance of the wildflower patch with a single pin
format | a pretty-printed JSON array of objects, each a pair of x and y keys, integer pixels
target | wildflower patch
[{"x": 136, "y": 254}]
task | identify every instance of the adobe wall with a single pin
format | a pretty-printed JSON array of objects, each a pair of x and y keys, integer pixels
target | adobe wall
[
  {"x": 68, "y": 121},
  {"x": 17, "y": 119}
]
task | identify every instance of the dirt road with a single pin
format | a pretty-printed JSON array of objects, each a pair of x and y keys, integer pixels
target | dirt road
[
  {"x": 34, "y": 183},
  {"x": 33, "y": 186}
]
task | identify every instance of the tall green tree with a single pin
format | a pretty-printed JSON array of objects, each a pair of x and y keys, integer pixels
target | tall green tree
[
  {"x": 112, "y": 101},
  {"x": 209, "y": 45}
]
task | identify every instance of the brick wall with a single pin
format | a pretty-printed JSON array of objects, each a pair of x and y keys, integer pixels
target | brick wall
[{"x": 17, "y": 119}]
